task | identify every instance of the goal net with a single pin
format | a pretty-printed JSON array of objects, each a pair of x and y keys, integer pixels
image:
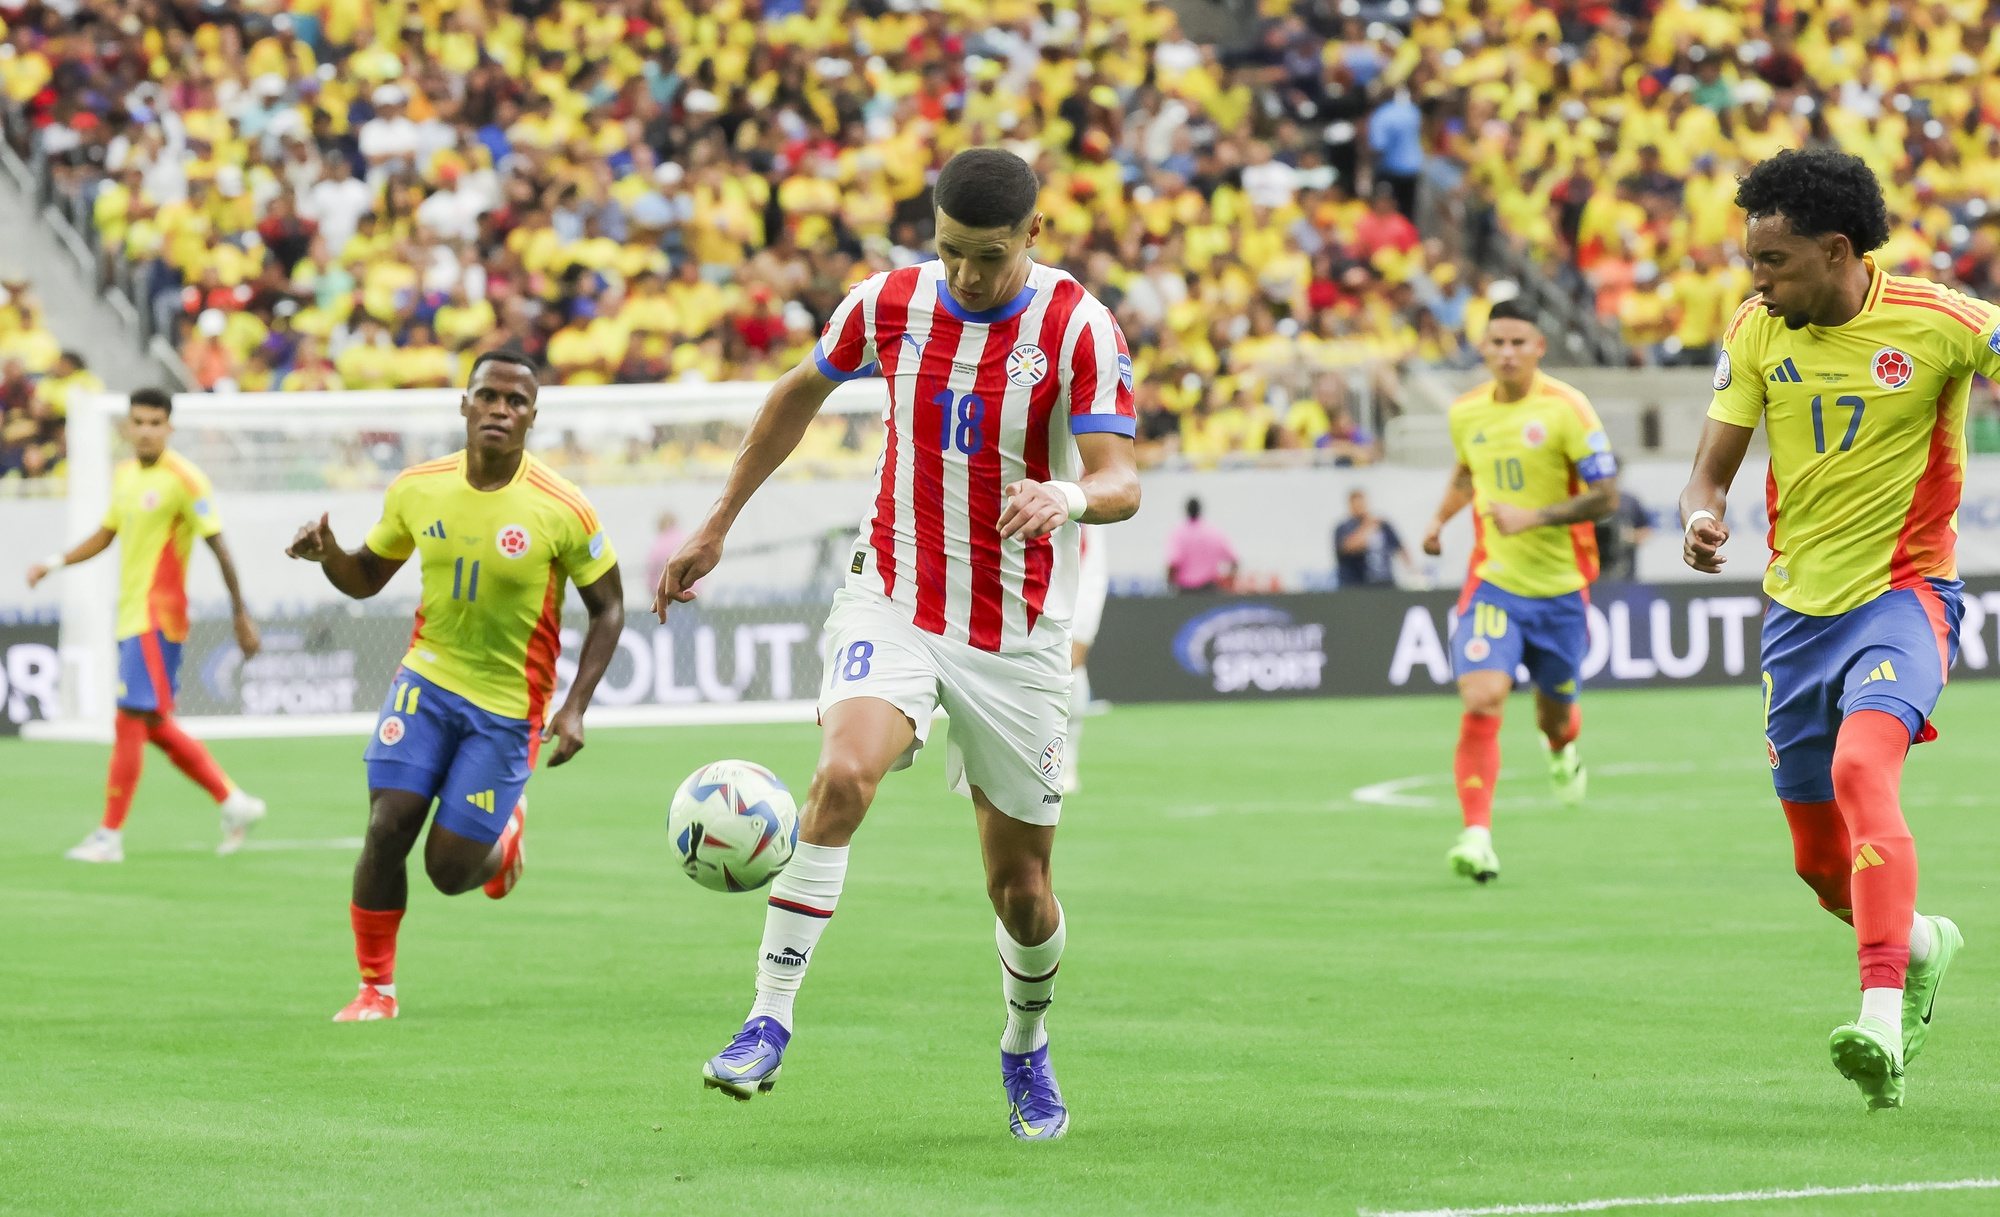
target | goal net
[{"x": 651, "y": 459}]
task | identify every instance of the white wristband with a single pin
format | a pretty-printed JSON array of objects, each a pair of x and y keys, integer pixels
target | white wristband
[
  {"x": 1688, "y": 528},
  {"x": 56, "y": 561},
  {"x": 1073, "y": 495}
]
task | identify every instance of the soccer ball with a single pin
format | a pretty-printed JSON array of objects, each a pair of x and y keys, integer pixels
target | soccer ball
[{"x": 733, "y": 826}]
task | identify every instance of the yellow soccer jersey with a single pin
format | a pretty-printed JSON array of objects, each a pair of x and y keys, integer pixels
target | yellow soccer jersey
[
  {"x": 1866, "y": 423},
  {"x": 1535, "y": 452},
  {"x": 157, "y": 511},
  {"x": 493, "y": 565}
]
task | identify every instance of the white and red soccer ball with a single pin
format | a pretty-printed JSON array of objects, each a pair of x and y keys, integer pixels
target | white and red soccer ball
[{"x": 733, "y": 826}]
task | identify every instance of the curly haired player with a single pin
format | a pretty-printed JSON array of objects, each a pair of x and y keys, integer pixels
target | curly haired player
[{"x": 1861, "y": 380}]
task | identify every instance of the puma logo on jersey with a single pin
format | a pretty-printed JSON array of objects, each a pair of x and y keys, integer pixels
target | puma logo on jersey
[
  {"x": 1787, "y": 373},
  {"x": 915, "y": 344},
  {"x": 436, "y": 530}
]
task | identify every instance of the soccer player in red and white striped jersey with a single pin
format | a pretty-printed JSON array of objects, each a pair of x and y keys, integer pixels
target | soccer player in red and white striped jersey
[{"x": 1009, "y": 415}]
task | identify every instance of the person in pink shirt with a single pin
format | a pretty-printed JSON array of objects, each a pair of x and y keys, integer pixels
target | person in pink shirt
[{"x": 1199, "y": 557}]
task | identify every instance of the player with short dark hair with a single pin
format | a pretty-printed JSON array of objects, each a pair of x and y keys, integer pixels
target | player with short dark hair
[
  {"x": 160, "y": 502},
  {"x": 1537, "y": 469},
  {"x": 1861, "y": 380},
  {"x": 1010, "y": 418},
  {"x": 497, "y": 535}
]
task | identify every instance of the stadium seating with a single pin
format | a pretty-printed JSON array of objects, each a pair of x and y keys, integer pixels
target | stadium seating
[
  {"x": 642, "y": 192},
  {"x": 657, "y": 190},
  {"x": 1625, "y": 186}
]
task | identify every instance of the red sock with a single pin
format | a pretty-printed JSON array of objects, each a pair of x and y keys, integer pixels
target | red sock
[
  {"x": 1867, "y": 772},
  {"x": 1820, "y": 854},
  {"x": 1571, "y": 728},
  {"x": 128, "y": 756},
  {"x": 1477, "y": 767},
  {"x": 190, "y": 757},
  {"x": 375, "y": 942}
]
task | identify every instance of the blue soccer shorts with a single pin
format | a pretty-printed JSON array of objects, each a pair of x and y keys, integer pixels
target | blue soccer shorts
[
  {"x": 1890, "y": 654},
  {"x": 149, "y": 672},
  {"x": 432, "y": 742},
  {"x": 1498, "y": 631}
]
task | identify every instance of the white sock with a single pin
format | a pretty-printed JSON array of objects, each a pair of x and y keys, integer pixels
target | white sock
[
  {"x": 1884, "y": 1005},
  {"x": 1028, "y": 979},
  {"x": 1485, "y": 833},
  {"x": 1920, "y": 939},
  {"x": 802, "y": 899},
  {"x": 386, "y": 990}
]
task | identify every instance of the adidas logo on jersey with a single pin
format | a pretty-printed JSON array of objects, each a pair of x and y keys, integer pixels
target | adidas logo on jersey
[
  {"x": 436, "y": 530},
  {"x": 1865, "y": 859},
  {"x": 1883, "y": 671},
  {"x": 1787, "y": 373},
  {"x": 483, "y": 800}
]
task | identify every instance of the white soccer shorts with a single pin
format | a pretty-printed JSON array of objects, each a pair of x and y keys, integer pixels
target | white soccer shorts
[{"x": 1009, "y": 712}]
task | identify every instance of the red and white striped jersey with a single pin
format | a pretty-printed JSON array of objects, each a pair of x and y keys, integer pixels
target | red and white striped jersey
[{"x": 977, "y": 400}]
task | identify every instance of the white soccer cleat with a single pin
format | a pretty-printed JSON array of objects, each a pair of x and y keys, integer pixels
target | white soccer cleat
[
  {"x": 1567, "y": 776},
  {"x": 102, "y": 845},
  {"x": 239, "y": 811}
]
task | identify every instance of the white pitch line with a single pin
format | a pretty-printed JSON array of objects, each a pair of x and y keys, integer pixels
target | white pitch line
[
  {"x": 263, "y": 845},
  {"x": 1635, "y": 1202},
  {"x": 1396, "y": 791}
]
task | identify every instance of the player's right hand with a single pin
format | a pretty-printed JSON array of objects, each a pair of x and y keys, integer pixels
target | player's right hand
[
  {"x": 690, "y": 564},
  {"x": 314, "y": 541},
  {"x": 1701, "y": 546},
  {"x": 1434, "y": 540},
  {"x": 36, "y": 574}
]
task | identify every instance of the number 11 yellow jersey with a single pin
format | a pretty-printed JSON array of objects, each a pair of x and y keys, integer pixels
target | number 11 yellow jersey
[{"x": 493, "y": 565}]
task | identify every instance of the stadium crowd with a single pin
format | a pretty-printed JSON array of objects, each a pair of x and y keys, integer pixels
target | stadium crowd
[
  {"x": 328, "y": 194},
  {"x": 1607, "y": 139},
  {"x": 360, "y": 195}
]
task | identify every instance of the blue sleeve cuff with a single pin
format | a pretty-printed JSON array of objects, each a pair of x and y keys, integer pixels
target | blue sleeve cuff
[
  {"x": 1116, "y": 424},
  {"x": 831, "y": 372},
  {"x": 1597, "y": 466}
]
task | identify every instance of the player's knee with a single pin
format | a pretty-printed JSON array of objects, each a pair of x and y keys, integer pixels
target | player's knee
[
  {"x": 1019, "y": 892},
  {"x": 843, "y": 788},
  {"x": 448, "y": 874},
  {"x": 1483, "y": 701},
  {"x": 391, "y": 832},
  {"x": 1854, "y": 775}
]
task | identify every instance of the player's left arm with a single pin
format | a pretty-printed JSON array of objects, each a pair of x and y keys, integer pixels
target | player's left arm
[
  {"x": 1107, "y": 492},
  {"x": 247, "y": 640},
  {"x": 1098, "y": 388},
  {"x": 604, "y": 600},
  {"x": 1589, "y": 453},
  {"x": 200, "y": 513}
]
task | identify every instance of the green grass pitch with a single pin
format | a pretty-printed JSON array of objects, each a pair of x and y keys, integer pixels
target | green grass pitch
[{"x": 1276, "y": 998}]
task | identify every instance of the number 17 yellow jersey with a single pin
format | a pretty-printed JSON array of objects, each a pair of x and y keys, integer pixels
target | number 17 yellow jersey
[{"x": 1866, "y": 423}]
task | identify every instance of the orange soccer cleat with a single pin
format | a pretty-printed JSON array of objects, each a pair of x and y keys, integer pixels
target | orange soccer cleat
[
  {"x": 368, "y": 1006},
  {"x": 509, "y": 874}
]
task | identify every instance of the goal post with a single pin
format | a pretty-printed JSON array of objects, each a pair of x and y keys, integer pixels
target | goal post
[{"x": 746, "y": 650}]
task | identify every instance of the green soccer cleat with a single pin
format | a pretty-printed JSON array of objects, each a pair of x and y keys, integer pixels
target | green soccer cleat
[
  {"x": 1868, "y": 1054},
  {"x": 1567, "y": 776},
  {"x": 1921, "y": 985},
  {"x": 1473, "y": 856}
]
